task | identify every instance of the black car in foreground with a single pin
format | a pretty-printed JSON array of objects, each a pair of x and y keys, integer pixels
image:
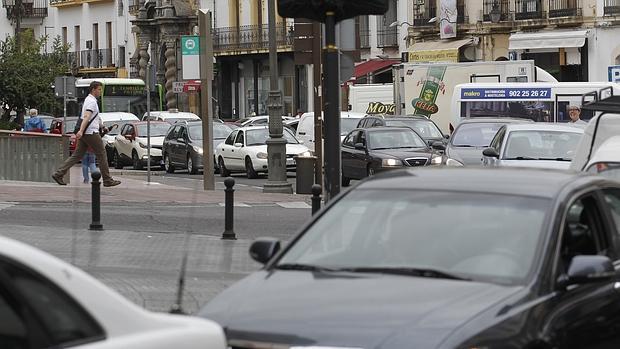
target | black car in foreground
[
  {"x": 440, "y": 258},
  {"x": 368, "y": 151}
]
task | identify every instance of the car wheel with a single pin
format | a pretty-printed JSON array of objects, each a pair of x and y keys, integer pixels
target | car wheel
[
  {"x": 346, "y": 181},
  {"x": 190, "y": 165},
  {"x": 370, "y": 171},
  {"x": 137, "y": 163},
  {"x": 249, "y": 169},
  {"x": 224, "y": 172},
  {"x": 167, "y": 164},
  {"x": 216, "y": 167},
  {"x": 116, "y": 159}
]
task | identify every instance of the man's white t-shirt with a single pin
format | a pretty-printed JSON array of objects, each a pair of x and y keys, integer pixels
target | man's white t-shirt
[{"x": 90, "y": 104}]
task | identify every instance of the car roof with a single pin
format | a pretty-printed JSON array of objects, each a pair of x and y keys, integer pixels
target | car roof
[
  {"x": 607, "y": 152},
  {"x": 399, "y": 117},
  {"x": 480, "y": 119},
  {"x": 153, "y": 122},
  {"x": 546, "y": 183},
  {"x": 383, "y": 128},
  {"x": 117, "y": 115},
  {"x": 543, "y": 126}
]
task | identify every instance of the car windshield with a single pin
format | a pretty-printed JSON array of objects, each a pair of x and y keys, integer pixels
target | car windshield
[
  {"x": 70, "y": 126},
  {"x": 541, "y": 145},
  {"x": 392, "y": 139},
  {"x": 347, "y": 125},
  {"x": 259, "y": 136},
  {"x": 116, "y": 130},
  {"x": 607, "y": 169},
  {"x": 482, "y": 237},
  {"x": 477, "y": 134},
  {"x": 220, "y": 131},
  {"x": 157, "y": 130},
  {"x": 425, "y": 128}
]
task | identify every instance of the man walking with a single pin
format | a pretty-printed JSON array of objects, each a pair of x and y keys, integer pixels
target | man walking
[
  {"x": 88, "y": 135},
  {"x": 34, "y": 123}
]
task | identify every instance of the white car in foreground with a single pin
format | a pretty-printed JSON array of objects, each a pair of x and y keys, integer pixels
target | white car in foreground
[
  {"x": 47, "y": 303},
  {"x": 536, "y": 144},
  {"x": 245, "y": 150}
]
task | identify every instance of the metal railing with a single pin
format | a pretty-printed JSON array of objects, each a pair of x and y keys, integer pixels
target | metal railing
[
  {"x": 422, "y": 13},
  {"x": 564, "y": 8},
  {"x": 611, "y": 7},
  {"x": 34, "y": 9},
  {"x": 528, "y": 9},
  {"x": 28, "y": 156},
  {"x": 250, "y": 37},
  {"x": 387, "y": 37},
  {"x": 501, "y": 6},
  {"x": 100, "y": 58}
]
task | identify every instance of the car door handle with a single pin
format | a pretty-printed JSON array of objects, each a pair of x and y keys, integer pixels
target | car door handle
[{"x": 302, "y": 133}]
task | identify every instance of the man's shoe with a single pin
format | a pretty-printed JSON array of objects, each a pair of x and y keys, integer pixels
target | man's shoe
[
  {"x": 111, "y": 183},
  {"x": 58, "y": 178}
]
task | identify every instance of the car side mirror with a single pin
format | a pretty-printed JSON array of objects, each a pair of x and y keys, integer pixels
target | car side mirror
[
  {"x": 588, "y": 269},
  {"x": 360, "y": 146},
  {"x": 446, "y": 136},
  {"x": 238, "y": 145},
  {"x": 491, "y": 153},
  {"x": 130, "y": 137},
  {"x": 438, "y": 145},
  {"x": 263, "y": 249}
]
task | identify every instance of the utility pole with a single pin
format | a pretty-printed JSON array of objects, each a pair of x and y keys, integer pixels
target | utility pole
[
  {"x": 318, "y": 104},
  {"x": 205, "y": 19},
  {"x": 332, "y": 110},
  {"x": 276, "y": 144}
]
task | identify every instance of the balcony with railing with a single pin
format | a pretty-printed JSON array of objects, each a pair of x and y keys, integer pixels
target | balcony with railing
[
  {"x": 250, "y": 39},
  {"x": 496, "y": 10},
  {"x": 422, "y": 13},
  {"x": 29, "y": 8},
  {"x": 387, "y": 37},
  {"x": 528, "y": 9},
  {"x": 564, "y": 8},
  {"x": 611, "y": 7},
  {"x": 92, "y": 59}
]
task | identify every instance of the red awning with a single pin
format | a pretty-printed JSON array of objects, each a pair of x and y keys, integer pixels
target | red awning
[{"x": 372, "y": 66}]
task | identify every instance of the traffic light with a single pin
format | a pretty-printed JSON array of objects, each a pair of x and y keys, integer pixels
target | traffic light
[{"x": 343, "y": 9}]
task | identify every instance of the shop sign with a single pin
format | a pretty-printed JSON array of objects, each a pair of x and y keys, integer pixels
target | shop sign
[
  {"x": 380, "y": 108},
  {"x": 506, "y": 93},
  {"x": 448, "y": 55}
]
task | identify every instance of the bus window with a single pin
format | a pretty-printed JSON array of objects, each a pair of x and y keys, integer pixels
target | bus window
[{"x": 535, "y": 110}]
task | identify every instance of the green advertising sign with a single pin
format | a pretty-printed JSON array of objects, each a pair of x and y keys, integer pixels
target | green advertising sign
[
  {"x": 425, "y": 103},
  {"x": 190, "y": 45}
]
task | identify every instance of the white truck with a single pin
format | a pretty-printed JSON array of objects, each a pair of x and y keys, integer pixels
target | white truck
[
  {"x": 371, "y": 98},
  {"x": 427, "y": 88}
]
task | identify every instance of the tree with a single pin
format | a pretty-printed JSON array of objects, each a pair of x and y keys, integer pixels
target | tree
[{"x": 27, "y": 74}]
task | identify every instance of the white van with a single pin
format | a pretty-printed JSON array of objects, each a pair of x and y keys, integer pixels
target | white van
[
  {"x": 547, "y": 102},
  {"x": 171, "y": 116},
  {"x": 305, "y": 128}
]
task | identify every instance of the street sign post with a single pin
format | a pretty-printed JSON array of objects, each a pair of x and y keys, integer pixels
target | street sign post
[{"x": 190, "y": 56}]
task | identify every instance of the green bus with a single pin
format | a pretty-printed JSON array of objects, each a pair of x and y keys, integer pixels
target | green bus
[{"x": 118, "y": 95}]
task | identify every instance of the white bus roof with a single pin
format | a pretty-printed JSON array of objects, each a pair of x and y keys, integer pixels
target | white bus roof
[{"x": 110, "y": 81}]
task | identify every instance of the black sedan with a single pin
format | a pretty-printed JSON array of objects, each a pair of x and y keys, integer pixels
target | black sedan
[
  {"x": 368, "y": 151},
  {"x": 440, "y": 258}
]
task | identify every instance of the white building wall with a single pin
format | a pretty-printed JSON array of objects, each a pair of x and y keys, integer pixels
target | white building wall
[
  {"x": 603, "y": 51},
  {"x": 5, "y": 25}
]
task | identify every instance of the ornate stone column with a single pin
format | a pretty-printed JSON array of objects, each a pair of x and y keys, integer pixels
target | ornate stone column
[
  {"x": 144, "y": 57},
  {"x": 170, "y": 74}
]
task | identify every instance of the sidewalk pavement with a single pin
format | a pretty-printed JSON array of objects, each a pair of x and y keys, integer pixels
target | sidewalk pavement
[
  {"x": 145, "y": 267},
  {"x": 131, "y": 190}
]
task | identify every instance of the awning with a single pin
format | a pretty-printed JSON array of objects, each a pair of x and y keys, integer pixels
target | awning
[
  {"x": 437, "y": 50},
  {"x": 373, "y": 66},
  {"x": 547, "y": 39}
]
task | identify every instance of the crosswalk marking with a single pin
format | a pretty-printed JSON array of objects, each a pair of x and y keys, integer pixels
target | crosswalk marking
[
  {"x": 4, "y": 205},
  {"x": 293, "y": 204}
]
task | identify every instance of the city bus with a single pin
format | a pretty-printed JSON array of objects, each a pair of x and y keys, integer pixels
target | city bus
[{"x": 118, "y": 95}]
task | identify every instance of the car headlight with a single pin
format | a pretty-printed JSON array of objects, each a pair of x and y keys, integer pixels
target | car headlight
[
  {"x": 261, "y": 155},
  {"x": 391, "y": 162},
  {"x": 197, "y": 149},
  {"x": 436, "y": 160},
  {"x": 452, "y": 162},
  {"x": 142, "y": 145},
  {"x": 304, "y": 154}
]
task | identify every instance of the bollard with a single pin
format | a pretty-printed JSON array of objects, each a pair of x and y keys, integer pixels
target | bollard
[
  {"x": 96, "y": 198},
  {"x": 229, "y": 201},
  {"x": 316, "y": 198}
]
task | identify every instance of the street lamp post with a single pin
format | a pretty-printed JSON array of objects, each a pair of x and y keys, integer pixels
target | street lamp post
[{"x": 276, "y": 144}]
